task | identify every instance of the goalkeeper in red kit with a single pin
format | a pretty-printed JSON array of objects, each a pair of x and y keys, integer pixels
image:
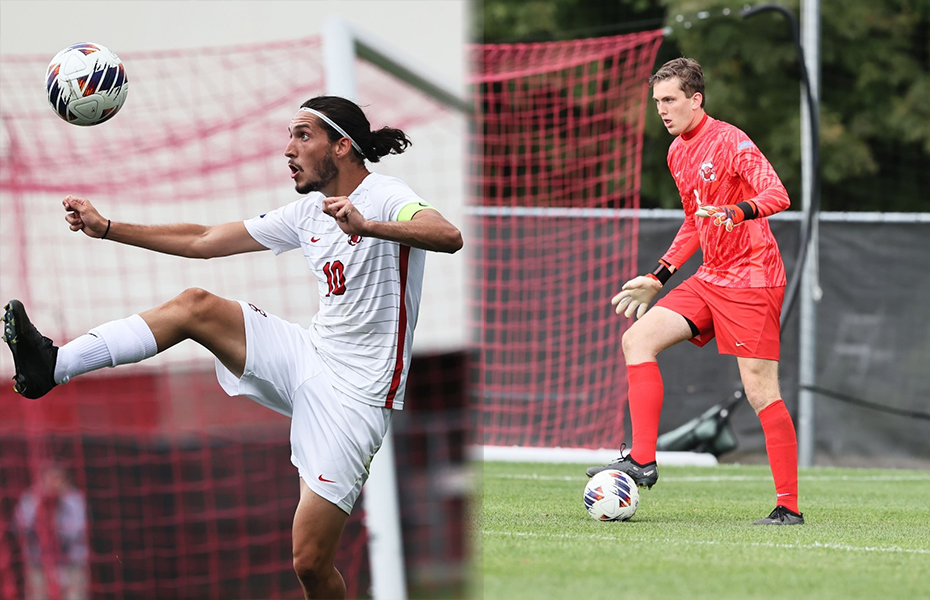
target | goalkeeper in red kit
[{"x": 727, "y": 188}]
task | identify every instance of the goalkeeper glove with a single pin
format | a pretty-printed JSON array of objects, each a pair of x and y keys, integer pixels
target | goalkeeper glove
[
  {"x": 636, "y": 294},
  {"x": 730, "y": 215}
]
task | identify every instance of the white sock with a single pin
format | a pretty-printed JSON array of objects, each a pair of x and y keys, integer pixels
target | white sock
[
  {"x": 86, "y": 353},
  {"x": 118, "y": 342}
]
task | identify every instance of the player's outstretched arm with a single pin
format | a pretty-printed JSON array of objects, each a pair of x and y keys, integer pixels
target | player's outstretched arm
[
  {"x": 428, "y": 229},
  {"x": 182, "y": 239}
]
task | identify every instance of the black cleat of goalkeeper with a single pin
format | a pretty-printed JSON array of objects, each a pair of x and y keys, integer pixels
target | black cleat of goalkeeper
[
  {"x": 34, "y": 355},
  {"x": 643, "y": 475},
  {"x": 781, "y": 516}
]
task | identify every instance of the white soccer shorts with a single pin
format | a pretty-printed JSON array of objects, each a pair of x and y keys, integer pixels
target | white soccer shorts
[{"x": 333, "y": 438}]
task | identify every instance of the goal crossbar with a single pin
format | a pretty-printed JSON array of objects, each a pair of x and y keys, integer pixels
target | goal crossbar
[{"x": 344, "y": 42}]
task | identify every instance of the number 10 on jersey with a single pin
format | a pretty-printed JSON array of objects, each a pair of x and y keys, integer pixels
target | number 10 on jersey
[{"x": 335, "y": 278}]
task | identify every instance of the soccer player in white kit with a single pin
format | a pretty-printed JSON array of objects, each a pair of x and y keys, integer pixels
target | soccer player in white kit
[{"x": 364, "y": 237}]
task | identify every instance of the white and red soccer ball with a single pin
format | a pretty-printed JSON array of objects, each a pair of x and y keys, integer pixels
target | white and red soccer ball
[
  {"x": 86, "y": 84},
  {"x": 611, "y": 496}
]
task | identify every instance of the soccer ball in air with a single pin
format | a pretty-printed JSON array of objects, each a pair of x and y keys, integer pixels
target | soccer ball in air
[
  {"x": 611, "y": 496},
  {"x": 86, "y": 84}
]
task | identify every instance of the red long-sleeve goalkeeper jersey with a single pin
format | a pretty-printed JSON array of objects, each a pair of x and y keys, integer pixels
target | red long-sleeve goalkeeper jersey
[{"x": 718, "y": 164}]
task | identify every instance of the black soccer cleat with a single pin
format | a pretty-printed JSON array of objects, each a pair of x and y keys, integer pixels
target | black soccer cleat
[
  {"x": 782, "y": 516},
  {"x": 34, "y": 355},
  {"x": 644, "y": 475}
]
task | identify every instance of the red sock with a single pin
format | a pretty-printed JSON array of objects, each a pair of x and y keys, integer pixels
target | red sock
[
  {"x": 781, "y": 444},
  {"x": 646, "y": 394}
]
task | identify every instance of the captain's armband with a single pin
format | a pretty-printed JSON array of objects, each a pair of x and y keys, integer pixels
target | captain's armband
[{"x": 409, "y": 210}]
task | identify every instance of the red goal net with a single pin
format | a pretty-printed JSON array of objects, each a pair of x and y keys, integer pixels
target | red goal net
[
  {"x": 555, "y": 170},
  {"x": 190, "y": 493}
]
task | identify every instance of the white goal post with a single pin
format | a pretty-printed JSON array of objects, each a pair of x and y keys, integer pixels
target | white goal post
[{"x": 343, "y": 44}]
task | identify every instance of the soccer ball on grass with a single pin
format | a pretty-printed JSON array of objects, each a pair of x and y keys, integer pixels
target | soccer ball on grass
[
  {"x": 611, "y": 496},
  {"x": 86, "y": 84}
]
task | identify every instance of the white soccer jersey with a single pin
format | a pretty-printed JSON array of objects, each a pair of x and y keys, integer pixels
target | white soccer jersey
[{"x": 369, "y": 288}]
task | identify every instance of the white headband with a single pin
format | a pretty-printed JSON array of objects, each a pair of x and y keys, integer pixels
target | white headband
[{"x": 332, "y": 124}]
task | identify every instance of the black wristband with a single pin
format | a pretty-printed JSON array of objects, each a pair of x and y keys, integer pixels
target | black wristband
[
  {"x": 749, "y": 210},
  {"x": 104, "y": 236},
  {"x": 662, "y": 273}
]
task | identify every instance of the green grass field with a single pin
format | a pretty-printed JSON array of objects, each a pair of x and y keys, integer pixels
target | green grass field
[{"x": 867, "y": 535}]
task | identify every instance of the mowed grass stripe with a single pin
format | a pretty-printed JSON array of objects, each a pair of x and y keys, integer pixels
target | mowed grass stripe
[
  {"x": 644, "y": 540},
  {"x": 867, "y": 536},
  {"x": 723, "y": 478}
]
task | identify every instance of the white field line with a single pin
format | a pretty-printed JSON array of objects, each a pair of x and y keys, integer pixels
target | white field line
[
  {"x": 724, "y": 478},
  {"x": 679, "y": 542}
]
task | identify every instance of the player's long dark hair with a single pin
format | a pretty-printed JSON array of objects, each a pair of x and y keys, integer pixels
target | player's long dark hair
[{"x": 350, "y": 117}]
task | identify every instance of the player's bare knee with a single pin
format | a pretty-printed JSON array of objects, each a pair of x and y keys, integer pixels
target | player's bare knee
[
  {"x": 193, "y": 308},
  {"x": 759, "y": 402},
  {"x": 311, "y": 566},
  {"x": 630, "y": 341},
  {"x": 636, "y": 346},
  {"x": 760, "y": 380},
  {"x": 197, "y": 303},
  {"x": 761, "y": 392}
]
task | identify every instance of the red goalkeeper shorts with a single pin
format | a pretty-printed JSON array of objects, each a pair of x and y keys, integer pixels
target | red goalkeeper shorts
[{"x": 745, "y": 321}]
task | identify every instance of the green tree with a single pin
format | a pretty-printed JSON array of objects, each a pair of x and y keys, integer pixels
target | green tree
[
  {"x": 496, "y": 21},
  {"x": 875, "y": 86}
]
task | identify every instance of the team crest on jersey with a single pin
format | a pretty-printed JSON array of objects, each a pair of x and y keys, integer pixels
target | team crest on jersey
[
  {"x": 355, "y": 239},
  {"x": 707, "y": 171}
]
